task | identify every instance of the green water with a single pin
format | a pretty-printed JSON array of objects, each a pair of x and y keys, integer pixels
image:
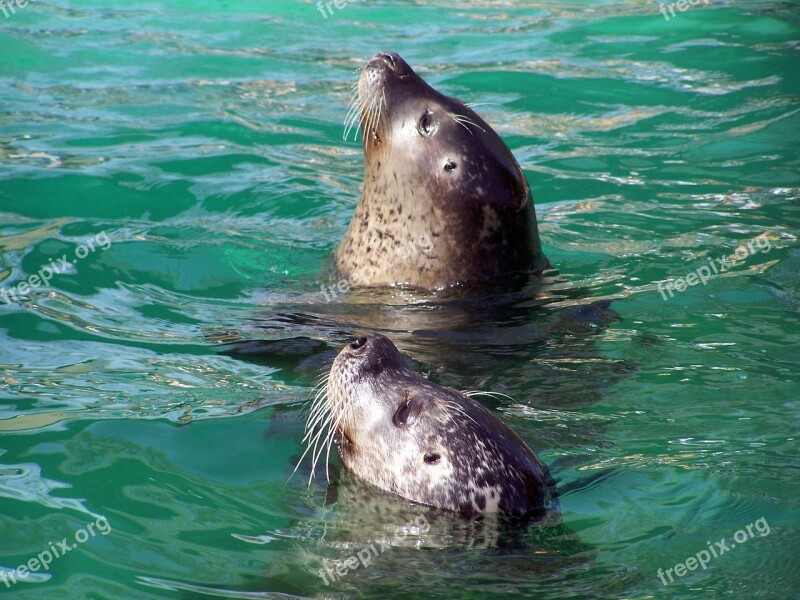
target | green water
[{"x": 204, "y": 140}]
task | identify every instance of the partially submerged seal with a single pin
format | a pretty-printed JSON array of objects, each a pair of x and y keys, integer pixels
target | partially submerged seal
[
  {"x": 424, "y": 442},
  {"x": 444, "y": 202}
]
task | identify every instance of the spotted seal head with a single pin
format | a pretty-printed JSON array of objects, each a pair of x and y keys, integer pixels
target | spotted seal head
[
  {"x": 444, "y": 202},
  {"x": 424, "y": 442}
]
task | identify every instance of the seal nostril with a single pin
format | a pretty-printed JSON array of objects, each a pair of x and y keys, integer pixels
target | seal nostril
[
  {"x": 358, "y": 343},
  {"x": 388, "y": 57}
]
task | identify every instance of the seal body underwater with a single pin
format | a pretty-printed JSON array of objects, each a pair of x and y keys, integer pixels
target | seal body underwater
[
  {"x": 444, "y": 201},
  {"x": 424, "y": 442}
]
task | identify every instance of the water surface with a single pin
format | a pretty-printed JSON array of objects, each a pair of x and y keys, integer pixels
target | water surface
[{"x": 205, "y": 141}]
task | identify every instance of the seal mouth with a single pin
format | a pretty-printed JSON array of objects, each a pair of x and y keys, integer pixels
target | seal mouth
[{"x": 345, "y": 441}]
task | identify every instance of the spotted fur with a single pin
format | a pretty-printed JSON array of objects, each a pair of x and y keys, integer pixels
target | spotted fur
[
  {"x": 438, "y": 179},
  {"x": 448, "y": 452}
]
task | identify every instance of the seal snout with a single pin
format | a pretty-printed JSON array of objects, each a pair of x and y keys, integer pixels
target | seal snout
[
  {"x": 390, "y": 61},
  {"x": 373, "y": 345},
  {"x": 360, "y": 346},
  {"x": 388, "y": 57},
  {"x": 370, "y": 355}
]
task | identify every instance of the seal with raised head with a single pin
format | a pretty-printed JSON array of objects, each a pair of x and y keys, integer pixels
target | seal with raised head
[
  {"x": 444, "y": 201},
  {"x": 419, "y": 440}
]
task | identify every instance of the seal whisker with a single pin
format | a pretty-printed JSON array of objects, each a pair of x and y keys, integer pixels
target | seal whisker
[
  {"x": 460, "y": 409},
  {"x": 319, "y": 388},
  {"x": 373, "y": 117},
  {"x": 314, "y": 428},
  {"x": 323, "y": 378},
  {"x": 472, "y": 393},
  {"x": 373, "y": 114},
  {"x": 318, "y": 448},
  {"x": 328, "y": 455},
  {"x": 353, "y": 112},
  {"x": 364, "y": 118},
  {"x": 317, "y": 407},
  {"x": 319, "y": 425},
  {"x": 319, "y": 419},
  {"x": 464, "y": 126},
  {"x": 328, "y": 442},
  {"x": 460, "y": 122},
  {"x": 302, "y": 456},
  {"x": 316, "y": 425},
  {"x": 465, "y": 120},
  {"x": 382, "y": 104},
  {"x": 313, "y": 421},
  {"x": 474, "y": 104},
  {"x": 321, "y": 383},
  {"x": 316, "y": 454}
]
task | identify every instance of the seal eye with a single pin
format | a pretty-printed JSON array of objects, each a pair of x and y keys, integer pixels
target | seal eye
[
  {"x": 432, "y": 458},
  {"x": 427, "y": 124},
  {"x": 449, "y": 166},
  {"x": 406, "y": 414}
]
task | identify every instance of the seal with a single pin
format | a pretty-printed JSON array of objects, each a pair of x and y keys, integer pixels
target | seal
[
  {"x": 427, "y": 443},
  {"x": 444, "y": 201}
]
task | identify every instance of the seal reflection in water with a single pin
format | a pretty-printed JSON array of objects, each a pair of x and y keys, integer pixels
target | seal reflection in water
[
  {"x": 444, "y": 202},
  {"x": 424, "y": 442}
]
